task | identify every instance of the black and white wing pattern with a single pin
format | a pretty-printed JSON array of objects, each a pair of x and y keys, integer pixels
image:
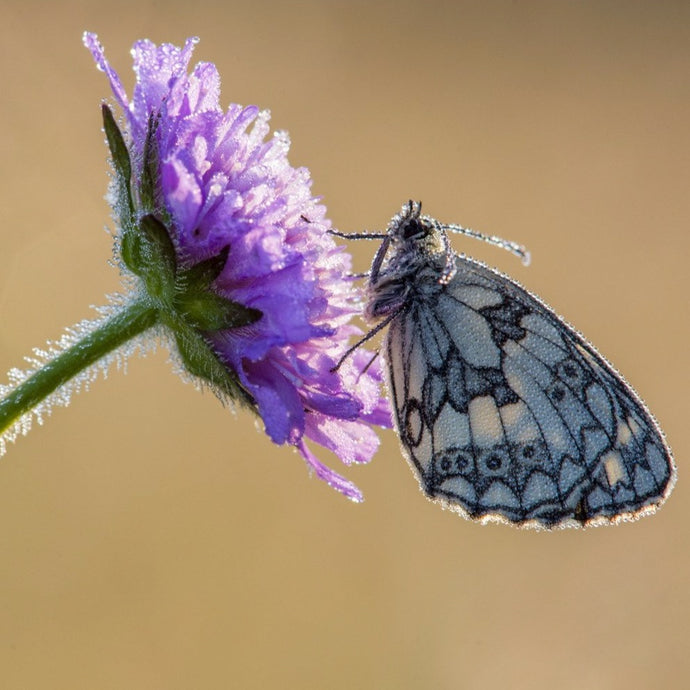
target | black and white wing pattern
[{"x": 506, "y": 413}]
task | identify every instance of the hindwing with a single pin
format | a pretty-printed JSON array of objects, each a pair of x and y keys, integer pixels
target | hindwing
[{"x": 507, "y": 414}]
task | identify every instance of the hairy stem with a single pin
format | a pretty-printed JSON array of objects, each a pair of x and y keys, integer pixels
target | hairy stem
[{"x": 125, "y": 325}]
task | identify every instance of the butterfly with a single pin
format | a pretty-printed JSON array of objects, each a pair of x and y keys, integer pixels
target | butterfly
[{"x": 505, "y": 412}]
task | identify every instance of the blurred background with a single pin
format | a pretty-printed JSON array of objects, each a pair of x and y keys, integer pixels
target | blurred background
[{"x": 150, "y": 538}]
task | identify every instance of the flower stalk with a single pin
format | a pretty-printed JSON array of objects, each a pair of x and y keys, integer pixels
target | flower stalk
[{"x": 128, "y": 323}]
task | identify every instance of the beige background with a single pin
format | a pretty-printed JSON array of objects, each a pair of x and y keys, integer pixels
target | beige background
[{"x": 151, "y": 539}]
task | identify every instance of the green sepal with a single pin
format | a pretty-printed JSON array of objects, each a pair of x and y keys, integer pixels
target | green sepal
[
  {"x": 158, "y": 257},
  {"x": 201, "y": 306},
  {"x": 131, "y": 251},
  {"x": 130, "y": 243},
  {"x": 149, "y": 173},
  {"x": 121, "y": 161},
  {"x": 208, "y": 311},
  {"x": 160, "y": 246},
  {"x": 205, "y": 272},
  {"x": 199, "y": 360}
]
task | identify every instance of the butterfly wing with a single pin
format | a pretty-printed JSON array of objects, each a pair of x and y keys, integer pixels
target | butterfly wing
[{"x": 507, "y": 414}]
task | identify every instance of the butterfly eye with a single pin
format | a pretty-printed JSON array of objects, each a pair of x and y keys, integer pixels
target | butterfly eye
[{"x": 413, "y": 229}]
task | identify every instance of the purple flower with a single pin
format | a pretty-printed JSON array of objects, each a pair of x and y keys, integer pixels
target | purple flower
[{"x": 222, "y": 184}]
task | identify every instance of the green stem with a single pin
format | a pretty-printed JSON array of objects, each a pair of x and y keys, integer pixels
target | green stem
[{"x": 125, "y": 325}]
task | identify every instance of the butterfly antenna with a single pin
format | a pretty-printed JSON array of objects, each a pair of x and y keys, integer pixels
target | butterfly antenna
[
  {"x": 514, "y": 248},
  {"x": 450, "y": 267},
  {"x": 358, "y": 235}
]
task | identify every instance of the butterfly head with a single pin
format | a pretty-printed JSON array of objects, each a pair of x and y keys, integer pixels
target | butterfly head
[
  {"x": 412, "y": 233},
  {"x": 411, "y": 240}
]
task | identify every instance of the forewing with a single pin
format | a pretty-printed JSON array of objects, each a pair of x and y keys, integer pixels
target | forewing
[{"x": 507, "y": 414}]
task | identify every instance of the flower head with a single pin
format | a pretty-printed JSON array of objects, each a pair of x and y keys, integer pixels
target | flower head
[{"x": 227, "y": 197}]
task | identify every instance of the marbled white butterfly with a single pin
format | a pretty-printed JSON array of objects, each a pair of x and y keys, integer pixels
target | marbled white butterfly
[{"x": 505, "y": 413}]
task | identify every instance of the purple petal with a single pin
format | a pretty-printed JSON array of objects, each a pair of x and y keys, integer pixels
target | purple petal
[
  {"x": 91, "y": 42},
  {"x": 332, "y": 478}
]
